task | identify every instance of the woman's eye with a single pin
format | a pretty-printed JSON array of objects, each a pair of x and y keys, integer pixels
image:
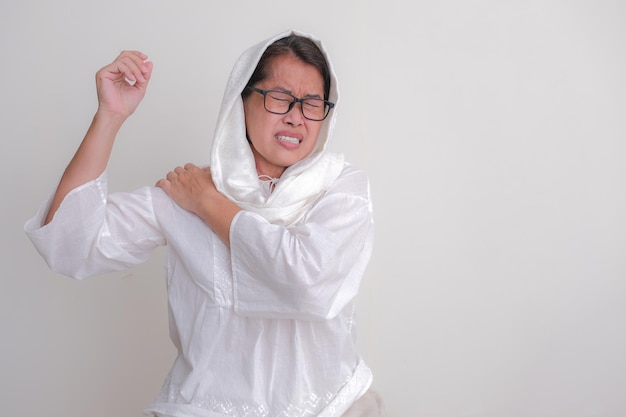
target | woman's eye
[
  {"x": 314, "y": 104},
  {"x": 281, "y": 97}
]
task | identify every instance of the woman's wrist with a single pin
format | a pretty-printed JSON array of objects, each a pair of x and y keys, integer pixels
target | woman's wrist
[{"x": 109, "y": 120}]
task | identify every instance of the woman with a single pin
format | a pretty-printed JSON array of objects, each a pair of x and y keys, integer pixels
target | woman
[{"x": 266, "y": 248}]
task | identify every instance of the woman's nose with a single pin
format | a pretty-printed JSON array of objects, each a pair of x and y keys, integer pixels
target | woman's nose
[{"x": 294, "y": 116}]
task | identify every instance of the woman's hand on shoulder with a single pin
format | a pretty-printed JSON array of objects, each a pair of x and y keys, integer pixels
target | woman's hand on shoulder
[
  {"x": 122, "y": 84},
  {"x": 190, "y": 187}
]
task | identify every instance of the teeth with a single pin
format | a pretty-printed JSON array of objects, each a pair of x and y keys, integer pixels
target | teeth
[{"x": 287, "y": 139}]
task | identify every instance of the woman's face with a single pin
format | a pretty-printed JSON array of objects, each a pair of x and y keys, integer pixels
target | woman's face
[{"x": 281, "y": 140}]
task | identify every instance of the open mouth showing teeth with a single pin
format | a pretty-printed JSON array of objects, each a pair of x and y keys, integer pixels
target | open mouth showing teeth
[{"x": 288, "y": 139}]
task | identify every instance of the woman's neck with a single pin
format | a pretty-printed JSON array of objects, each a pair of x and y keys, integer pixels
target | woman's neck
[{"x": 266, "y": 169}]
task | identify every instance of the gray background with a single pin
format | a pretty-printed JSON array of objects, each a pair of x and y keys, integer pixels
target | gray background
[{"x": 494, "y": 136}]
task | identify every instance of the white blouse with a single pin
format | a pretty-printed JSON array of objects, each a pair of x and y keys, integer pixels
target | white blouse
[{"x": 265, "y": 328}]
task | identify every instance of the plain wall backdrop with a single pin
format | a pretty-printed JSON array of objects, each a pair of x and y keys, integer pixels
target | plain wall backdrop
[{"x": 494, "y": 134}]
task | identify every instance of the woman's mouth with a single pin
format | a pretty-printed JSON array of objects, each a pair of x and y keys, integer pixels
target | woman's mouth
[{"x": 288, "y": 139}]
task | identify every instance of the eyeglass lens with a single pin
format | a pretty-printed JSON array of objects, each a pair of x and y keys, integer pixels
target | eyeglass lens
[{"x": 279, "y": 102}]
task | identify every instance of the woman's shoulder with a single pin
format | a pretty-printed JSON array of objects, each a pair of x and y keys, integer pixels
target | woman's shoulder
[
  {"x": 352, "y": 180},
  {"x": 350, "y": 169}
]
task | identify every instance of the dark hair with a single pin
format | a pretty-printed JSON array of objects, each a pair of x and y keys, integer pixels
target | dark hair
[{"x": 299, "y": 46}]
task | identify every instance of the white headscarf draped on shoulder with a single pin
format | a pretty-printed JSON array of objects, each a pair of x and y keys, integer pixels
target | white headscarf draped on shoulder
[{"x": 232, "y": 163}]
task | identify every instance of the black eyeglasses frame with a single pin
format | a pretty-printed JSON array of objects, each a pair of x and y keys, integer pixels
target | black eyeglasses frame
[{"x": 327, "y": 104}]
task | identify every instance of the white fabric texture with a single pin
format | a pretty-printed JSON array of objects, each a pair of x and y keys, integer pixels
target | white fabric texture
[{"x": 265, "y": 328}]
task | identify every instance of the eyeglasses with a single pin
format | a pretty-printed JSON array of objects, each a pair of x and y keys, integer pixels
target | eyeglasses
[{"x": 279, "y": 102}]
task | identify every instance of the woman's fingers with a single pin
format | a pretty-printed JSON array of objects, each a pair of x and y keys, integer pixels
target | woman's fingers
[
  {"x": 188, "y": 174},
  {"x": 130, "y": 65},
  {"x": 122, "y": 84}
]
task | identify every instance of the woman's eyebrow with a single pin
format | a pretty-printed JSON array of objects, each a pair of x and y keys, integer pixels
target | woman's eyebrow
[{"x": 286, "y": 90}]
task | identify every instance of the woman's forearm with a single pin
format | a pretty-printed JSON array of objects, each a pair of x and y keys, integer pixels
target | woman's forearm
[
  {"x": 91, "y": 158},
  {"x": 219, "y": 214},
  {"x": 121, "y": 86}
]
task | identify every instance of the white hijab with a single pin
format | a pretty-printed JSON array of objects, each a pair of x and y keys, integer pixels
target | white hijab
[{"x": 232, "y": 162}]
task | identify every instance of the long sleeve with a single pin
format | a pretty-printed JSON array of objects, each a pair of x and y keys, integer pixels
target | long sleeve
[
  {"x": 93, "y": 233},
  {"x": 308, "y": 271}
]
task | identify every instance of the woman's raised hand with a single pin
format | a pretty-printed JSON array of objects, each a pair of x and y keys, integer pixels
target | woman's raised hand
[{"x": 122, "y": 84}]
